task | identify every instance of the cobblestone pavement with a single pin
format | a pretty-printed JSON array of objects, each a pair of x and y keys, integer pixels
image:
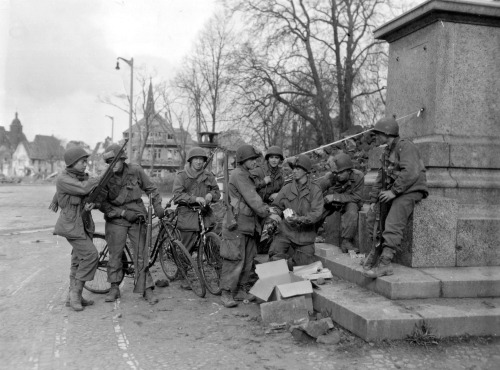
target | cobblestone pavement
[{"x": 181, "y": 332}]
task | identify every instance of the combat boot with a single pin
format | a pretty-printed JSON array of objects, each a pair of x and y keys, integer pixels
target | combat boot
[
  {"x": 85, "y": 302},
  {"x": 371, "y": 260},
  {"x": 384, "y": 267},
  {"x": 227, "y": 299},
  {"x": 75, "y": 295},
  {"x": 150, "y": 296},
  {"x": 113, "y": 294},
  {"x": 243, "y": 295}
]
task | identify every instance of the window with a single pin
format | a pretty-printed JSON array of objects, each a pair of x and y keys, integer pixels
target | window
[
  {"x": 170, "y": 137},
  {"x": 157, "y": 153}
]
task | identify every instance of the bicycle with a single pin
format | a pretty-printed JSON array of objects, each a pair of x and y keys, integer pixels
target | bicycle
[
  {"x": 172, "y": 254},
  {"x": 207, "y": 246}
]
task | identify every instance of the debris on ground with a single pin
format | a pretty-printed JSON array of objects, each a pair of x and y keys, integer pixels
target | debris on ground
[{"x": 162, "y": 283}]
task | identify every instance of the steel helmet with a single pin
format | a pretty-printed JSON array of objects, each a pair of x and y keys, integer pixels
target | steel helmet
[
  {"x": 74, "y": 154},
  {"x": 343, "y": 162},
  {"x": 246, "y": 152},
  {"x": 274, "y": 150},
  {"x": 196, "y": 152},
  {"x": 387, "y": 126},
  {"x": 111, "y": 152},
  {"x": 302, "y": 161}
]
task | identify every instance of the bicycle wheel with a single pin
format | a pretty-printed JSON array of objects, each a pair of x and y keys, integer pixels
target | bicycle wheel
[
  {"x": 188, "y": 268},
  {"x": 167, "y": 261},
  {"x": 210, "y": 262},
  {"x": 100, "y": 283}
]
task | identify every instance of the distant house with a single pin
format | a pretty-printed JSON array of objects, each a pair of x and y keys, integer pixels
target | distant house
[
  {"x": 43, "y": 156},
  {"x": 9, "y": 141},
  {"x": 166, "y": 146}
]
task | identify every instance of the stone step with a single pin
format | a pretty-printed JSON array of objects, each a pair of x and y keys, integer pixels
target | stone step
[
  {"x": 374, "y": 317},
  {"x": 413, "y": 283}
]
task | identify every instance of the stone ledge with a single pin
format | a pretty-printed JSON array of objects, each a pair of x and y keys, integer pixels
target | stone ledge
[
  {"x": 373, "y": 317},
  {"x": 462, "y": 282}
]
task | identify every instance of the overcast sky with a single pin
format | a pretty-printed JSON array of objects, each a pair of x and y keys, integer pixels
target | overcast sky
[{"x": 58, "y": 56}]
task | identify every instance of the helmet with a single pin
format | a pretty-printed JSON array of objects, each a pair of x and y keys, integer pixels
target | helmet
[
  {"x": 387, "y": 126},
  {"x": 196, "y": 152},
  {"x": 274, "y": 150},
  {"x": 343, "y": 162},
  {"x": 246, "y": 152},
  {"x": 74, "y": 154},
  {"x": 302, "y": 161},
  {"x": 111, "y": 152}
]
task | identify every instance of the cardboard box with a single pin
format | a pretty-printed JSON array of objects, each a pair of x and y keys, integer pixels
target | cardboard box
[{"x": 277, "y": 283}]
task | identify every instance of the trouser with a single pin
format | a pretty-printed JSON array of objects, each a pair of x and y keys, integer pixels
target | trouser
[
  {"x": 349, "y": 219},
  {"x": 84, "y": 259},
  {"x": 296, "y": 255},
  {"x": 116, "y": 237},
  {"x": 188, "y": 239},
  {"x": 401, "y": 208},
  {"x": 237, "y": 273}
]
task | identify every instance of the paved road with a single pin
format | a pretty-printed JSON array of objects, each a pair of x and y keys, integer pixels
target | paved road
[{"x": 180, "y": 332}]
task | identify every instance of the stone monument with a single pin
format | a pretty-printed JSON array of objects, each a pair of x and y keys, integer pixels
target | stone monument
[{"x": 444, "y": 57}]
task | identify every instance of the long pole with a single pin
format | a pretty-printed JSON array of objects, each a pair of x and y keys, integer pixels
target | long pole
[{"x": 131, "y": 64}]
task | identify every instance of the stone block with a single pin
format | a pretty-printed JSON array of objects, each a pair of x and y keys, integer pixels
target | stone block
[
  {"x": 332, "y": 227},
  {"x": 478, "y": 241},
  {"x": 430, "y": 237},
  {"x": 434, "y": 151},
  {"x": 374, "y": 157},
  {"x": 287, "y": 310},
  {"x": 467, "y": 282},
  {"x": 363, "y": 232}
]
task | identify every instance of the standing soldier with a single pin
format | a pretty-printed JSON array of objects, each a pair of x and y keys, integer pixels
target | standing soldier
[
  {"x": 342, "y": 191},
  {"x": 269, "y": 180},
  {"x": 238, "y": 247},
  {"x": 72, "y": 186},
  {"x": 405, "y": 184},
  {"x": 124, "y": 212},
  {"x": 193, "y": 185},
  {"x": 297, "y": 232}
]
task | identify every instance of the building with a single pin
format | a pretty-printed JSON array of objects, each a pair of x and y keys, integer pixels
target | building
[
  {"x": 42, "y": 157},
  {"x": 9, "y": 141},
  {"x": 166, "y": 146}
]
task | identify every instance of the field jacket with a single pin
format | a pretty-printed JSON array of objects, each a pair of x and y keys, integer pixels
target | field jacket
[
  {"x": 124, "y": 192},
  {"x": 347, "y": 192},
  {"x": 263, "y": 189},
  {"x": 307, "y": 201},
  {"x": 246, "y": 204},
  {"x": 71, "y": 193},
  {"x": 186, "y": 190},
  {"x": 404, "y": 169}
]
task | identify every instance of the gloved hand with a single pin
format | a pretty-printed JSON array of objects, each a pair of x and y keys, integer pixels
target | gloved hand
[
  {"x": 130, "y": 216},
  {"x": 267, "y": 179},
  {"x": 208, "y": 198},
  {"x": 273, "y": 196},
  {"x": 292, "y": 221},
  {"x": 159, "y": 211}
]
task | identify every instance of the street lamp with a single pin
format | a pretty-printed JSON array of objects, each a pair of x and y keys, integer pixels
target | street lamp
[
  {"x": 131, "y": 65},
  {"x": 112, "y": 126}
]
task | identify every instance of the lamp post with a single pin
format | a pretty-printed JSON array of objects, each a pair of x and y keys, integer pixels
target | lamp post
[
  {"x": 112, "y": 126},
  {"x": 131, "y": 65}
]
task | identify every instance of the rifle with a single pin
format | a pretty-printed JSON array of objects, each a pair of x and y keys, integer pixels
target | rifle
[
  {"x": 209, "y": 159},
  {"x": 230, "y": 220},
  {"x": 382, "y": 210},
  {"x": 140, "y": 276},
  {"x": 97, "y": 191}
]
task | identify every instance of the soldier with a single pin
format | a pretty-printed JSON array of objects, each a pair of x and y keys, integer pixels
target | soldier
[
  {"x": 124, "y": 212},
  {"x": 72, "y": 186},
  {"x": 238, "y": 247},
  {"x": 297, "y": 232},
  {"x": 342, "y": 191},
  {"x": 268, "y": 180},
  {"x": 193, "y": 185},
  {"x": 405, "y": 184}
]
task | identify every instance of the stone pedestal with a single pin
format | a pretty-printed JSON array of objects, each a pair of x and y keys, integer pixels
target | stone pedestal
[{"x": 443, "y": 57}]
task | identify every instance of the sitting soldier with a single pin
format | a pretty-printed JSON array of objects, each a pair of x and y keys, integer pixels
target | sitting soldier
[{"x": 342, "y": 192}]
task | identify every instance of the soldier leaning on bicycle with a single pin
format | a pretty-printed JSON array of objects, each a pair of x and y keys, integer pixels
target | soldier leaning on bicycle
[
  {"x": 193, "y": 185},
  {"x": 123, "y": 208}
]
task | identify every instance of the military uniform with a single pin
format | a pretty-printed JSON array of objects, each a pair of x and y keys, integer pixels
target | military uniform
[
  {"x": 405, "y": 177},
  {"x": 277, "y": 180},
  {"x": 347, "y": 199},
  {"x": 238, "y": 246},
  {"x": 124, "y": 192},
  {"x": 186, "y": 189},
  {"x": 307, "y": 203}
]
